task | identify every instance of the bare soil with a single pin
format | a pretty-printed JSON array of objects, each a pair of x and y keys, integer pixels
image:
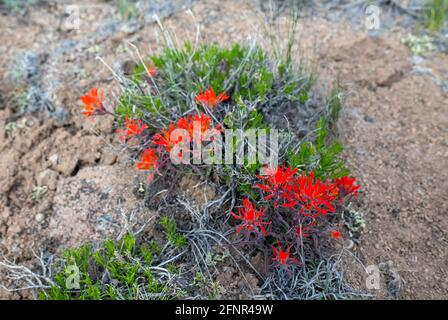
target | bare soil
[{"x": 394, "y": 128}]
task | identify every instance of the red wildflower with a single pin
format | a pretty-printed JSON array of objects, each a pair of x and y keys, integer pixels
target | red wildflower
[
  {"x": 133, "y": 128},
  {"x": 210, "y": 99},
  {"x": 251, "y": 217},
  {"x": 149, "y": 160},
  {"x": 346, "y": 186},
  {"x": 335, "y": 234},
  {"x": 187, "y": 123},
  {"x": 151, "y": 70},
  {"x": 92, "y": 101},
  {"x": 164, "y": 138},
  {"x": 279, "y": 255},
  {"x": 277, "y": 181},
  {"x": 312, "y": 195}
]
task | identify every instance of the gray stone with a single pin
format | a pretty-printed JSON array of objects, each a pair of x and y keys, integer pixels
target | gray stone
[
  {"x": 39, "y": 217},
  {"x": 48, "y": 178}
]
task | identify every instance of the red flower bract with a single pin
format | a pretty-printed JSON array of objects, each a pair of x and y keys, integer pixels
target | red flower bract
[
  {"x": 346, "y": 186},
  {"x": 251, "y": 217},
  {"x": 210, "y": 99},
  {"x": 92, "y": 101},
  {"x": 277, "y": 182},
  {"x": 279, "y": 255},
  {"x": 202, "y": 120},
  {"x": 149, "y": 160},
  {"x": 312, "y": 196},
  {"x": 151, "y": 70},
  {"x": 133, "y": 128},
  {"x": 189, "y": 123},
  {"x": 335, "y": 234},
  {"x": 164, "y": 138}
]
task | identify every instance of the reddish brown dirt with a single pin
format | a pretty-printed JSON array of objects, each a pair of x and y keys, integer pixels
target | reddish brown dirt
[
  {"x": 395, "y": 132},
  {"x": 394, "y": 128}
]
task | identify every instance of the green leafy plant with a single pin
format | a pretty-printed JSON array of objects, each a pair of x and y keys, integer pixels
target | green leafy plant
[
  {"x": 435, "y": 14},
  {"x": 419, "y": 45},
  {"x": 12, "y": 126},
  {"x": 38, "y": 192},
  {"x": 320, "y": 155},
  {"x": 127, "y": 9},
  {"x": 170, "y": 229},
  {"x": 114, "y": 270},
  {"x": 239, "y": 88},
  {"x": 18, "y": 6}
]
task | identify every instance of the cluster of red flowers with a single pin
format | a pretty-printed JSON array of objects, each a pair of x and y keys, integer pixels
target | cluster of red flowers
[
  {"x": 149, "y": 160},
  {"x": 92, "y": 102},
  {"x": 346, "y": 186},
  {"x": 277, "y": 182},
  {"x": 251, "y": 217},
  {"x": 295, "y": 201},
  {"x": 167, "y": 140},
  {"x": 133, "y": 128},
  {"x": 298, "y": 201},
  {"x": 209, "y": 98},
  {"x": 151, "y": 70},
  {"x": 282, "y": 256},
  {"x": 311, "y": 196},
  {"x": 198, "y": 124},
  {"x": 93, "y": 105}
]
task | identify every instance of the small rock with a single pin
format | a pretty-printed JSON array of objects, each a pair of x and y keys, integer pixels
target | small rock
[
  {"x": 302, "y": 133},
  {"x": 108, "y": 158},
  {"x": 39, "y": 217},
  {"x": 222, "y": 290},
  {"x": 129, "y": 28},
  {"x": 395, "y": 212},
  {"x": 349, "y": 244},
  {"x": 106, "y": 125},
  {"x": 416, "y": 59},
  {"x": 48, "y": 178},
  {"x": 5, "y": 213},
  {"x": 67, "y": 166},
  {"x": 423, "y": 71},
  {"x": 368, "y": 118},
  {"x": 54, "y": 159}
]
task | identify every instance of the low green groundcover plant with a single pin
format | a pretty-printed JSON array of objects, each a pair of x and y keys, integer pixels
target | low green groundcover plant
[
  {"x": 435, "y": 14},
  {"x": 121, "y": 269},
  {"x": 292, "y": 214},
  {"x": 18, "y": 6}
]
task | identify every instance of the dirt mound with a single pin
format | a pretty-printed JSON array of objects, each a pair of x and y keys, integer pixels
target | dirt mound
[
  {"x": 96, "y": 204},
  {"x": 394, "y": 130}
]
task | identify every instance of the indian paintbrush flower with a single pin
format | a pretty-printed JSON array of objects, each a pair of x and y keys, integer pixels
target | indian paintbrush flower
[
  {"x": 251, "y": 217},
  {"x": 92, "y": 101},
  {"x": 209, "y": 98}
]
